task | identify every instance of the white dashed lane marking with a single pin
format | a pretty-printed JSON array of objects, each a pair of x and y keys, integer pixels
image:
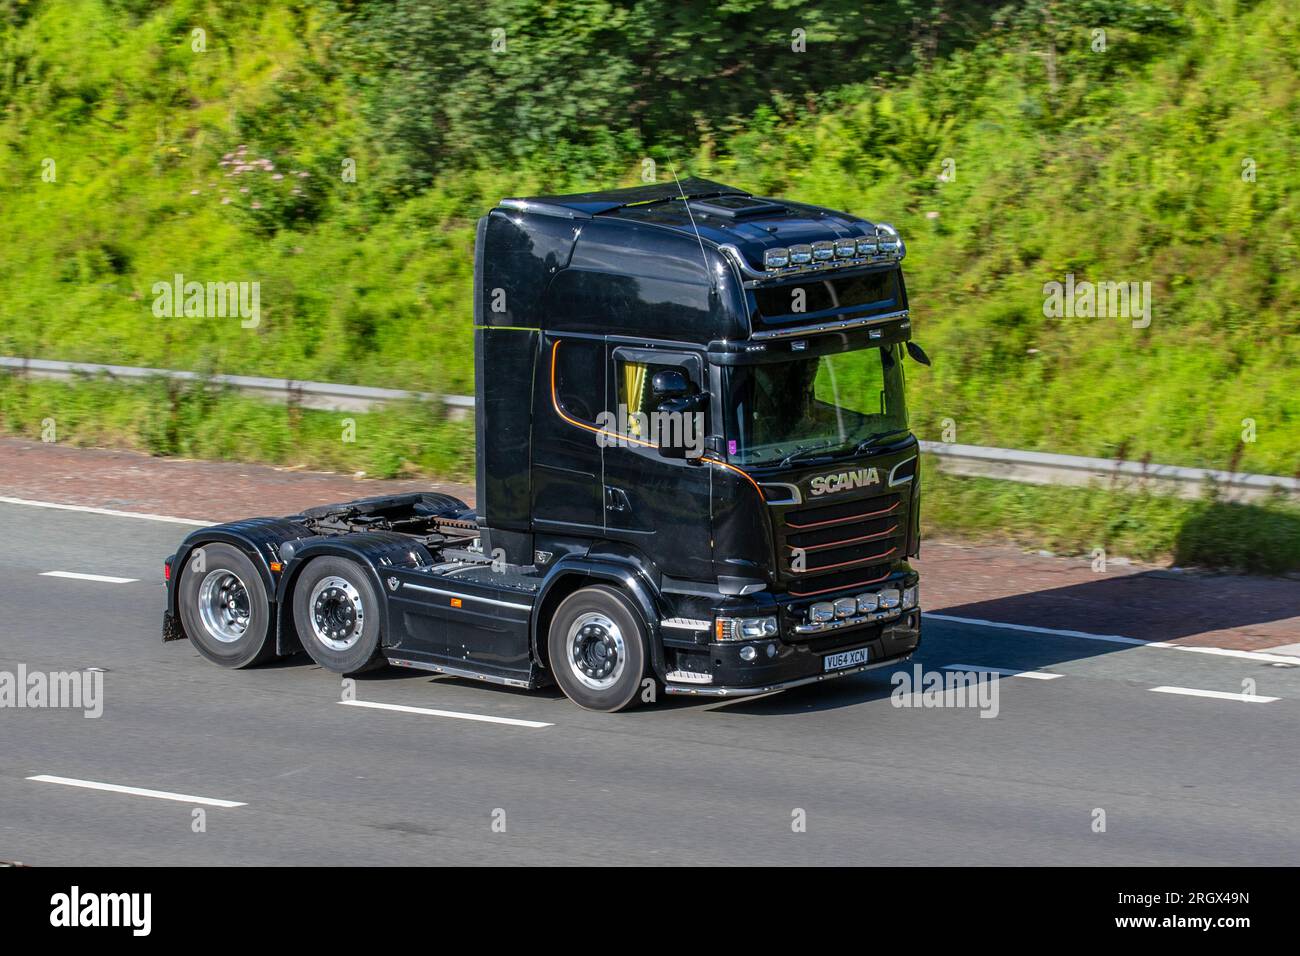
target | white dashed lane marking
[
  {"x": 1217, "y": 694},
  {"x": 136, "y": 791},
  {"x": 428, "y": 712},
  {"x": 79, "y": 576},
  {"x": 1004, "y": 671}
]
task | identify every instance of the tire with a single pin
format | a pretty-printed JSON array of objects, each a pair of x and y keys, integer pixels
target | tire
[
  {"x": 597, "y": 649},
  {"x": 337, "y": 614},
  {"x": 225, "y": 608}
]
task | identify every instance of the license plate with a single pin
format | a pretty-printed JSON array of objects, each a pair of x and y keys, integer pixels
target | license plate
[{"x": 837, "y": 662}]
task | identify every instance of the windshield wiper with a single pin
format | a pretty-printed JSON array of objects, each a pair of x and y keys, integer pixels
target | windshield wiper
[
  {"x": 871, "y": 440},
  {"x": 801, "y": 449}
]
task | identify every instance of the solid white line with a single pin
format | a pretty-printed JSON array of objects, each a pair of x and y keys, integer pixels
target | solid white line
[
  {"x": 401, "y": 708},
  {"x": 1004, "y": 671},
  {"x": 78, "y": 576},
  {"x": 86, "y": 509},
  {"x": 136, "y": 791},
  {"x": 1217, "y": 694},
  {"x": 1117, "y": 639}
]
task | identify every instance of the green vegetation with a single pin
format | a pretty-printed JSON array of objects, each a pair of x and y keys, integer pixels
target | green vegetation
[
  {"x": 196, "y": 421},
  {"x": 1167, "y": 158}
]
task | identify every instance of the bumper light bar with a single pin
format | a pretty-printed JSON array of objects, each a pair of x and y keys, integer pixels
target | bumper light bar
[{"x": 866, "y": 608}]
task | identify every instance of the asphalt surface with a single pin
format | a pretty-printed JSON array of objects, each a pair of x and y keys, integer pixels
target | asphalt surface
[{"x": 1181, "y": 779}]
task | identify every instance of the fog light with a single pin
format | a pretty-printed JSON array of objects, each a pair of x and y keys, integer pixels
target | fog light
[
  {"x": 912, "y": 596},
  {"x": 889, "y": 599},
  {"x": 867, "y": 602},
  {"x": 821, "y": 612},
  {"x": 747, "y": 653},
  {"x": 845, "y": 607},
  {"x": 771, "y": 650}
]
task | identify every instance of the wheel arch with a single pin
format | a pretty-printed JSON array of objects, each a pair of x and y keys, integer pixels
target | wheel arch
[
  {"x": 573, "y": 573},
  {"x": 256, "y": 547},
  {"x": 366, "y": 549}
]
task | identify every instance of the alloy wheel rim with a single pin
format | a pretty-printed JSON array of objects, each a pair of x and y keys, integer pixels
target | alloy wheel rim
[
  {"x": 337, "y": 614},
  {"x": 224, "y": 606},
  {"x": 597, "y": 651}
]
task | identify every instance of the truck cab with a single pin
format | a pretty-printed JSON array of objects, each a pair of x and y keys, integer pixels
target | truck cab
[{"x": 694, "y": 470}]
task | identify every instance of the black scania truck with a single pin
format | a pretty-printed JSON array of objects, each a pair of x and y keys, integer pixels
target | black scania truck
[{"x": 694, "y": 470}]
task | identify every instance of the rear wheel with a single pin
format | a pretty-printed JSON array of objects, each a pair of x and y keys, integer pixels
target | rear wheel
[
  {"x": 597, "y": 648},
  {"x": 336, "y": 611},
  {"x": 224, "y": 606}
]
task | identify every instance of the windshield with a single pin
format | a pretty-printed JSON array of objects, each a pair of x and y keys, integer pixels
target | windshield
[{"x": 829, "y": 404}]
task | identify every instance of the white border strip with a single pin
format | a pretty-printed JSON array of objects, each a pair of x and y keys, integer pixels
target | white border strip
[
  {"x": 78, "y": 576},
  {"x": 136, "y": 791},
  {"x": 85, "y": 509},
  {"x": 1216, "y": 694},
  {"x": 484, "y": 718},
  {"x": 1004, "y": 671},
  {"x": 1117, "y": 639}
]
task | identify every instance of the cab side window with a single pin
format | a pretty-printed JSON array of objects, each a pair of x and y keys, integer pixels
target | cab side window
[
  {"x": 579, "y": 377},
  {"x": 634, "y": 392}
]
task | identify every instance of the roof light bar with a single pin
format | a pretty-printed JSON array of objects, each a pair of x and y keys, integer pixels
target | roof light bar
[{"x": 884, "y": 244}]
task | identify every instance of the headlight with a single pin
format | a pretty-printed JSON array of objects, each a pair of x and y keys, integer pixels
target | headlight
[
  {"x": 867, "y": 602},
  {"x": 821, "y": 612},
  {"x": 801, "y": 255},
  {"x": 889, "y": 599},
  {"x": 776, "y": 258},
  {"x": 823, "y": 251},
  {"x": 868, "y": 246},
  {"x": 745, "y": 628},
  {"x": 912, "y": 596},
  {"x": 845, "y": 248}
]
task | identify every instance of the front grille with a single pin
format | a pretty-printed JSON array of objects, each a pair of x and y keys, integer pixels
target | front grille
[{"x": 844, "y": 544}]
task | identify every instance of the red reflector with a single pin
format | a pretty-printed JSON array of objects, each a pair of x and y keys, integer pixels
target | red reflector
[{"x": 167, "y": 570}]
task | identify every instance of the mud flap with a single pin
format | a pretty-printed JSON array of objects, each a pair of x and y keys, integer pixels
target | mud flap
[{"x": 171, "y": 629}]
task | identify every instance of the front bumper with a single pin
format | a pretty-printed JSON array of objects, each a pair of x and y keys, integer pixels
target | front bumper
[{"x": 780, "y": 665}]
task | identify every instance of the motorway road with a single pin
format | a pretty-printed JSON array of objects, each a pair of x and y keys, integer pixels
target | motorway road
[{"x": 1182, "y": 779}]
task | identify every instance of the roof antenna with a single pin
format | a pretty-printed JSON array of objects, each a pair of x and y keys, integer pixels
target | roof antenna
[
  {"x": 713, "y": 281},
  {"x": 686, "y": 202}
]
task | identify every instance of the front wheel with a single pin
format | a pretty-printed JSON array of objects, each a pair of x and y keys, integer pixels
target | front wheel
[{"x": 597, "y": 648}]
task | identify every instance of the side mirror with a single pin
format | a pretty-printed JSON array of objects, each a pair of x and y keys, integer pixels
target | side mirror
[
  {"x": 674, "y": 395},
  {"x": 670, "y": 383},
  {"x": 917, "y": 353}
]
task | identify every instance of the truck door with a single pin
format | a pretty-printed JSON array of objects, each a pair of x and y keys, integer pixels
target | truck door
[
  {"x": 567, "y": 470},
  {"x": 659, "y": 505}
]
